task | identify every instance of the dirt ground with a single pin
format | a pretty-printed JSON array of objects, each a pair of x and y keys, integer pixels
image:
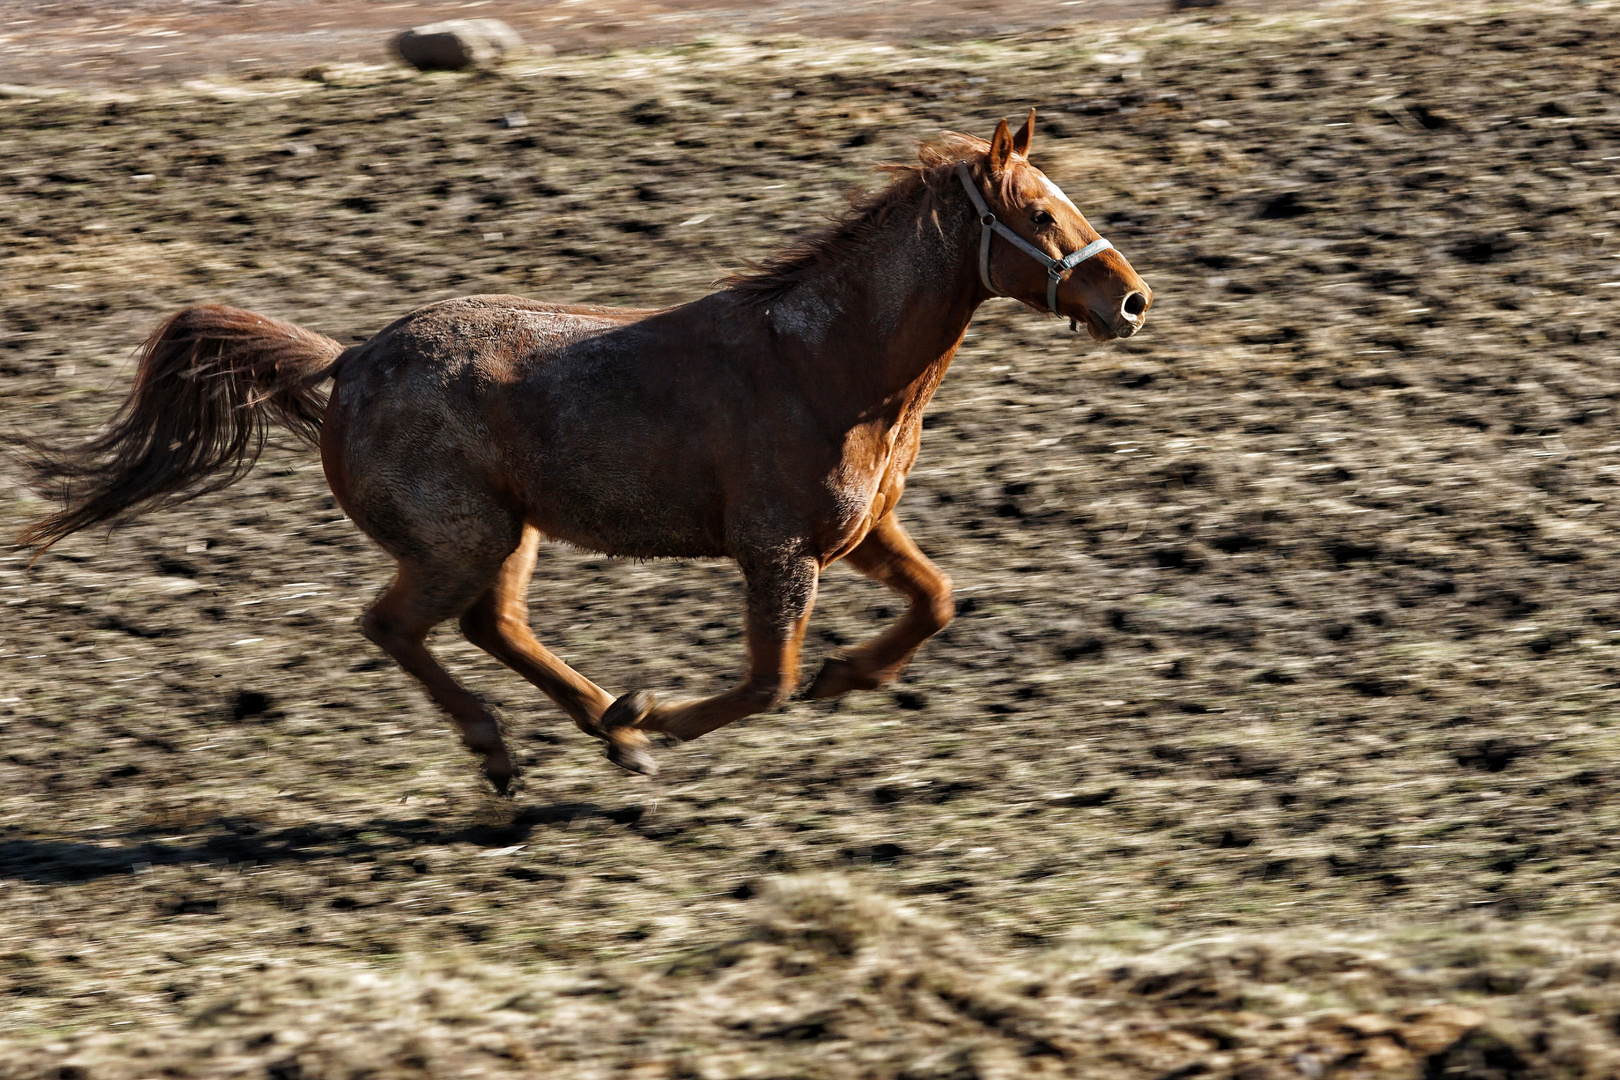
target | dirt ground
[{"x": 1276, "y": 735}]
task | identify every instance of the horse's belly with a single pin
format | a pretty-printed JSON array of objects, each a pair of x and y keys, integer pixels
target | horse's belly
[
  {"x": 636, "y": 520},
  {"x": 638, "y": 542}
]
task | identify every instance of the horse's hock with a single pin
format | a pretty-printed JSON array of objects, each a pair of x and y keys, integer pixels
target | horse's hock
[{"x": 457, "y": 44}]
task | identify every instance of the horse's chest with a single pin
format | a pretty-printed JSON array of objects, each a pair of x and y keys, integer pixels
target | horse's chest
[{"x": 869, "y": 484}]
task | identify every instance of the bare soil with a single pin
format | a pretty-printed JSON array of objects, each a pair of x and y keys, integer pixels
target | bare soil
[{"x": 1276, "y": 735}]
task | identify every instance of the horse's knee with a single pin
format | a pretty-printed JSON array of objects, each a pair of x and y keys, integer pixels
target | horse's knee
[
  {"x": 381, "y": 629},
  {"x": 479, "y": 627},
  {"x": 494, "y": 633}
]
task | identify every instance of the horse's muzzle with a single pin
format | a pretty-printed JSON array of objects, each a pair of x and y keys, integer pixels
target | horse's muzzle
[
  {"x": 1123, "y": 323},
  {"x": 1129, "y": 319}
]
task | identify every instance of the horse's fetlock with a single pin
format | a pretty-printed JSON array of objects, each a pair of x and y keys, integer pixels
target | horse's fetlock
[
  {"x": 627, "y": 711},
  {"x": 766, "y": 696}
]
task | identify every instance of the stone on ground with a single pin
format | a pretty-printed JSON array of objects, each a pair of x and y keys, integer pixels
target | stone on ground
[{"x": 457, "y": 44}]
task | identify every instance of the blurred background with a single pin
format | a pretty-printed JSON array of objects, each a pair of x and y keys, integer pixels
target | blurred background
[{"x": 129, "y": 41}]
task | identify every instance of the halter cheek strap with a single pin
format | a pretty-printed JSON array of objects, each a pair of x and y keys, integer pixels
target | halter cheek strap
[{"x": 989, "y": 224}]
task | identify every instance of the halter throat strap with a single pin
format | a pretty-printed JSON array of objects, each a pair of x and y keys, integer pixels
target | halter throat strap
[{"x": 989, "y": 225}]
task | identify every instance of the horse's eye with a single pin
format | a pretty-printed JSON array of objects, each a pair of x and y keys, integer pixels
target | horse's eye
[{"x": 1041, "y": 217}]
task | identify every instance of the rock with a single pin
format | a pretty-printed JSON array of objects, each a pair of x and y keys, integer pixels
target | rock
[{"x": 457, "y": 44}]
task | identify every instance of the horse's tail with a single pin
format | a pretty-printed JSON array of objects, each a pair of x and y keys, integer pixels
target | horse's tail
[{"x": 210, "y": 380}]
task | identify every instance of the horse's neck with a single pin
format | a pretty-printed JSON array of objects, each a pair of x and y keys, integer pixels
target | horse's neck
[{"x": 891, "y": 311}]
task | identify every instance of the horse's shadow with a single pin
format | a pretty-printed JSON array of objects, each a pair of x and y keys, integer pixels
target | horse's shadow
[{"x": 239, "y": 841}]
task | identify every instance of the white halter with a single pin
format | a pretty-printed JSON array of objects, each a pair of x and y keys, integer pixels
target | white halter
[{"x": 1056, "y": 269}]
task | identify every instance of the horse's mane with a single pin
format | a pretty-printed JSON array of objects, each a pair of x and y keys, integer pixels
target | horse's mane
[{"x": 868, "y": 212}]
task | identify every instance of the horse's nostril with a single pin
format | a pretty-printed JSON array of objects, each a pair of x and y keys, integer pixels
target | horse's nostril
[{"x": 1134, "y": 305}]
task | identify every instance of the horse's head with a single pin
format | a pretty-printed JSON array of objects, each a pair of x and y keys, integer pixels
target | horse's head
[{"x": 1071, "y": 270}]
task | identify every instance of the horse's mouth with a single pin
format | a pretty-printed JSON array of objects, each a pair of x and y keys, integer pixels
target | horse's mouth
[
  {"x": 1093, "y": 326},
  {"x": 1102, "y": 331}
]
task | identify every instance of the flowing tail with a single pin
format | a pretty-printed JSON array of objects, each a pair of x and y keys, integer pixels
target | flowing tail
[{"x": 210, "y": 381}]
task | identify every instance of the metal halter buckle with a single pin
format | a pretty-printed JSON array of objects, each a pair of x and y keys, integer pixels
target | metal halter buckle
[{"x": 1056, "y": 269}]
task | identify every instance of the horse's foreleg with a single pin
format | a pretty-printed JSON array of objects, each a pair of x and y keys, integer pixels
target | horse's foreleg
[
  {"x": 888, "y": 555},
  {"x": 498, "y": 623},
  {"x": 781, "y": 592},
  {"x": 399, "y": 622}
]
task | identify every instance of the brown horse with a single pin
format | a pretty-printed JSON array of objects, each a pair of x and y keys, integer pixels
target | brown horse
[{"x": 773, "y": 422}]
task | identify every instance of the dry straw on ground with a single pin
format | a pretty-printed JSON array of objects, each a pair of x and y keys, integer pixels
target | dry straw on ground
[{"x": 833, "y": 982}]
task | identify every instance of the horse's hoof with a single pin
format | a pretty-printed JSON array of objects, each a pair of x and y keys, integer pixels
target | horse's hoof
[
  {"x": 633, "y": 757},
  {"x": 836, "y": 678},
  {"x": 500, "y": 775},
  {"x": 627, "y": 745}
]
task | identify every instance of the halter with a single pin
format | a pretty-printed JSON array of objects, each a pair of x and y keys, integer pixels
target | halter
[{"x": 1056, "y": 269}]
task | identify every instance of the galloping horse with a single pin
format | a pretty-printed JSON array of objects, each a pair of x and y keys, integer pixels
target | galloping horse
[{"x": 773, "y": 422}]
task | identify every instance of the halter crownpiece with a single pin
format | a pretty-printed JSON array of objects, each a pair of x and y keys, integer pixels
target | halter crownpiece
[{"x": 1056, "y": 269}]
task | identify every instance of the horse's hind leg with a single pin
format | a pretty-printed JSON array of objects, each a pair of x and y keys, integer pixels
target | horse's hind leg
[
  {"x": 888, "y": 555},
  {"x": 498, "y": 623},
  {"x": 420, "y": 598}
]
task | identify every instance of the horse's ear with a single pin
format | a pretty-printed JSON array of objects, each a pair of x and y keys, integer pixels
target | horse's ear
[
  {"x": 1001, "y": 148},
  {"x": 1022, "y": 136}
]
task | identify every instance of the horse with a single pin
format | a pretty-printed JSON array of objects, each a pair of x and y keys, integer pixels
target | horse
[{"x": 772, "y": 422}]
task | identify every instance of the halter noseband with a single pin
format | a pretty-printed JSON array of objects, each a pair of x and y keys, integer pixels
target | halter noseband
[{"x": 1056, "y": 269}]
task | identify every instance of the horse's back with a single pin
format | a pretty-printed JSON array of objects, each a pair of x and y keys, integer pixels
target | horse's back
[
  {"x": 486, "y": 332},
  {"x": 582, "y": 419}
]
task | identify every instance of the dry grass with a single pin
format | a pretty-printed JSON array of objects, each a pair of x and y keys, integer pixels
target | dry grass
[{"x": 834, "y": 983}]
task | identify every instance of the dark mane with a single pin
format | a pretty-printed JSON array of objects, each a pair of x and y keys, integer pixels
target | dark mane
[{"x": 868, "y": 211}]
